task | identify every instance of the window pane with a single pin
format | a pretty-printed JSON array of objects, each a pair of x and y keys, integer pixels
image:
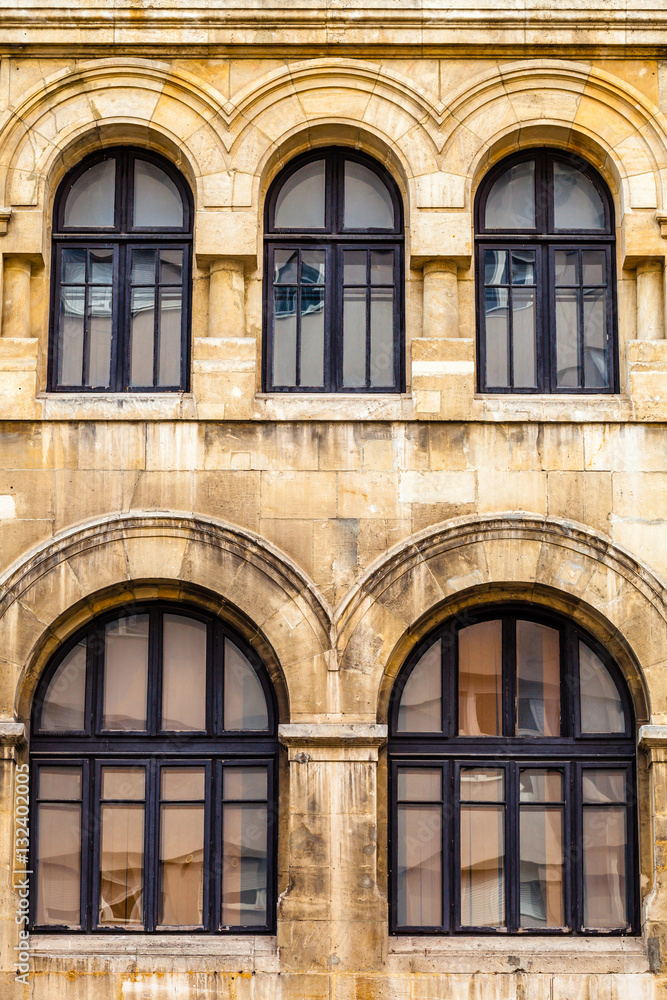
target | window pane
[
  {"x": 183, "y": 674},
  {"x": 482, "y": 784},
  {"x": 567, "y": 337},
  {"x": 604, "y": 867},
  {"x": 126, "y": 674},
  {"x": 248, "y": 783},
  {"x": 495, "y": 267},
  {"x": 594, "y": 266},
  {"x": 181, "y": 895},
  {"x": 368, "y": 203},
  {"x": 601, "y": 707},
  {"x": 420, "y": 708},
  {"x": 523, "y": 337},
  {"x": 59, "y": 865},
  {"x": 171, "y": 267},
  {"x": 480, "y": 680},
  {"x": 420, "y": 784},
  {"x": 300, "y": 201},
  {"x": 601, "y": 785},
  {"x": 286, "y": 267},
  {"x": 312, "y": 267},
  {"x": 99, "y": 317},
  {"x": 482, "y": 866},
  {"x": 142, "y": 344},
  {"x": 183, "y": 783},
  {"x": 538, "y": 667},
  {"x": 382, "y": 267},
  {"x": 595, "y": 338},
  {"x": 354, "y": 337},
  {"x": 538, "y": 785},
  {"x": 73, "y": 263},
  {"x": 122, "y": 865},
  {"x": 245, "y": 705},
  {"x": 244, "y": 865},
  {"x": 157, "y": 201},
  {"x": 284, "y": 336},
  {"x": 419, "y": 876},
  {"x": 64, "y": 702},
  {"x": 169, "y": 336},
  {"x": 382, "y": 336},
  {"x": 91, "y": 200},
  {"x": 354, "y": 267},
  {"x": 523, "y": 267},
  {"x": 70, "y": 328},
  {"x": 577, "y": 204},
  {"x": 60, "y": 783},
  {"x": 541, "y": 866},
  {"x": 312, "y": 318},
  {"x": 123, "y": 783},
  {"x": 566, "y": 264},
  {"x": 497, "y": 337},
  {"x": 511, "y": 201}
]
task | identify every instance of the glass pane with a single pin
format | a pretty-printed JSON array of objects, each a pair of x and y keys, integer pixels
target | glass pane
[
  {"x": 244, "y": 865},
  {"x": 126, "y": 674},
  {"x": 419, "y": 877},
  {"x": 482, "y": 866},
  {"x": 511, "y": 201},
  {"x": 101, "y": 267},
  {"x": 567, "y": 337},
  {"x": 143, "y": 267},
  {"x": 245, "y": 705},
  {"x": 60, "y": 783},
  {"x": 368, "y": 203},
  {"x": 183, "y": 674},
  {"x": 604, "y": 866},
  {"x": 123, "y": 783},
  {"x": 312, "y": 267},
  {"x": 122, "y": 866},
  {"x": 64, "y": 702},
  {"x": 171, "y": 267},
  {"x": 142, "y": 336},
  {"x": 169, "y": 336},
  {"x": 354, "y": 337},
  {"x": 565, "y": 263},
  {"x": 539, "y": 785},
  {"x": 420, "y": 784},
  {"x": 595, "y": 338},
  {"x": 382, "y": 267},
  {"x": 524, "y": 344},
  {"x": 541, "y": 867},
  {"x": 482, "y": 784},
  {"x": 420, "y": 708},
  {"x": 538, "y": 668},
  {"x": 285, "y": 266},
  {"x": 312, "y": 336},
  {"x": 181, "y": 897},
  {"x": 74, "y": 266},
  {"x": 59, "y": 865},
  {"x": 284, "y": 336},
  {"x": 183, "y": 783},
  {"x": 99, "y": 334},
  {"x": 600, "y": 703},
  {"x": 300, "y": 201},
  {"x": 249, "y": 783},
  {"x": 594, "y": 267},
  {"x": 602, "y": 785},
  {"x": 157, "y": 200},
  {"x": 354, "y": 267},
  {"x": 70, "y": 329},
  {"x": 523, "y": 267},
  {"x": 496, "y": 337},
  {"x": 382, "y": 336},
  {"x": 577, "y": 203},
  {"x": 480, "y": 680},
  {"x": 495, "y": 267},
  {"x": 92, "y": 198}
]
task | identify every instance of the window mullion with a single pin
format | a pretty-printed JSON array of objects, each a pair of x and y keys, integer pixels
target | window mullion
[
  {"x": 512, "y": 848},
  {"x": 151, "y": 844}
]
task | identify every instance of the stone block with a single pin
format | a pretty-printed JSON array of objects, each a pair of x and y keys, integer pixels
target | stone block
[
  {"x": 298, "y": 494},
  {"x": 501, "y": 491}
]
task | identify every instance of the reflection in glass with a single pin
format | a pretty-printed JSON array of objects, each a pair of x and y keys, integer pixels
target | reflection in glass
[
  {"x": 577, "y": 203},
  {"x": 59, "y": 864},
  {"x": 602, "y": 785},
  {"x": 480, "y": 679},
  {"x": 541, "y": 849},
  {"x": 600, "y": 702},
  {"x": 124, "y": 783},
  {"x": 245, "y": 704},
  {"x": 183, "y": 674},
  {"x": 169, "y": 336},
  {"x": 284, "y": 335},
  {"x": 300, "y": 201},
  {"x": 60, "y": 783},
  {"x": 126, "y": 673},
  {"x": 245, "y": 783},
  {"x": 312, "y": 317},
  {"x": 419, "y": 784},
  {"x": 244, "y": 864},
  {"x": 142, "y": 310},
  {"x": 354, "y": 337},
  {"x": 524, "y": 348},
  {"x": 382, "y": 336},
  {"x": 64, "y": 702},
  {"x": 482, "y": 784},
  {"x": 419, "y": 875},
  {"x": 71, "y": 332},
  {"x": 354, "y": 267},
  {"x": 595, "y": 338},
  {"x": 496, "y": 301},
  {"x": 157, "y": 200},
  {"x": 566, "y": 266},
  {"x": 594, "y": 267},
  {"x": 482, "y": 866},
  {"x": 420, "y": 707},
  {"x": 382, "y": 267},
  {"x": 538, "y": 667},
  {"x": 567, "y": 337},
  {"x": 603, "y": 792},
  {"x": 181, "y": 894},
  {"x": 122, "y": 866},
  {"x": 511, "y": 201},
  {"x": 91, "y": 200},
  {"x": 368, "y": 203},
  {"x": 99, "y": 317}
]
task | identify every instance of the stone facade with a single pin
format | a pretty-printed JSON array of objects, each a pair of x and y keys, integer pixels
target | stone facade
[{"x": 334, "y": 531}]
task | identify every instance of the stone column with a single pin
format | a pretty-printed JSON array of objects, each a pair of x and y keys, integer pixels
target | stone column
[
  {"x": 441, "y": 299},
  {"x": 226, "y": 298},
  {"x": 12, "y": 740},
  {"x": 653, "y": 741},
  {"x": 650, "y": 300},
  {"x": 16, "y": 296},
  {"x": 333, "y": 917}
]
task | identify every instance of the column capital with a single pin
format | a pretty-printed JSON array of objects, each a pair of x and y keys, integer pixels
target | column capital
[
  {"x": 652, "y": 740},
  {"x": 319, "y": 741},
  {"x": 12, "y": 738}
]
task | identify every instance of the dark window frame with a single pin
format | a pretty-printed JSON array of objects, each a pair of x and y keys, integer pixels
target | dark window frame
[
  {"x": 544, "y": 239},
  {"x": 572, "y": 753},
  {"x": 214, "y": 749},
  {"x": 122, "y": 237},
  {"x": 333, "y": 238}
]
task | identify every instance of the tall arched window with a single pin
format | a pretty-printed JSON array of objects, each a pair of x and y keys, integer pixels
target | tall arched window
[
  {"x": 333, "y": 267},
  {"x": 153, "y": 757},
  {"x": 546, "y": 296},
  {"x": 512, "y": 765},
  {"x": 122, "y": 246}
]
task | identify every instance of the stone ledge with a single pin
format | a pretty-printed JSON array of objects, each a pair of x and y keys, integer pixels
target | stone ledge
[
  {"x": 187, "y": 945},
  {"x": 12, "y": 734},
  {"x": 327, "y": 735}
]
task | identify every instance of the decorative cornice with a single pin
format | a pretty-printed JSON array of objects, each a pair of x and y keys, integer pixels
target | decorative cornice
[
  {"x": 12, "y": 735},
  {"x": 355, "y": 734},
  {"x": 652, "y": 737}
]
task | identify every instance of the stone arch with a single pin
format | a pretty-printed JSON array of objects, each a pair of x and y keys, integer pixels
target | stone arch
[
  {"x": 466, "y": 562},
  {"x": 102, "y": 564}
]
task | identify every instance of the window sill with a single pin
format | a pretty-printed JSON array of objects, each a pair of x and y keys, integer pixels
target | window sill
[
  {"x": 518, "y": 953},
  {"x": 188, "y": 945},
  {"x": 115, "y": 405}
]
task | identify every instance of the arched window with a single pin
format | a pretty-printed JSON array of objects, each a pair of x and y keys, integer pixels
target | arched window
[
  {"x": 122, "y": 245},
  {"x": 546, "y": 296},
  {"x": 512, "y": 791},
  {"x": 333, "y": 268},
  {"x": 153, "y": 757}
]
